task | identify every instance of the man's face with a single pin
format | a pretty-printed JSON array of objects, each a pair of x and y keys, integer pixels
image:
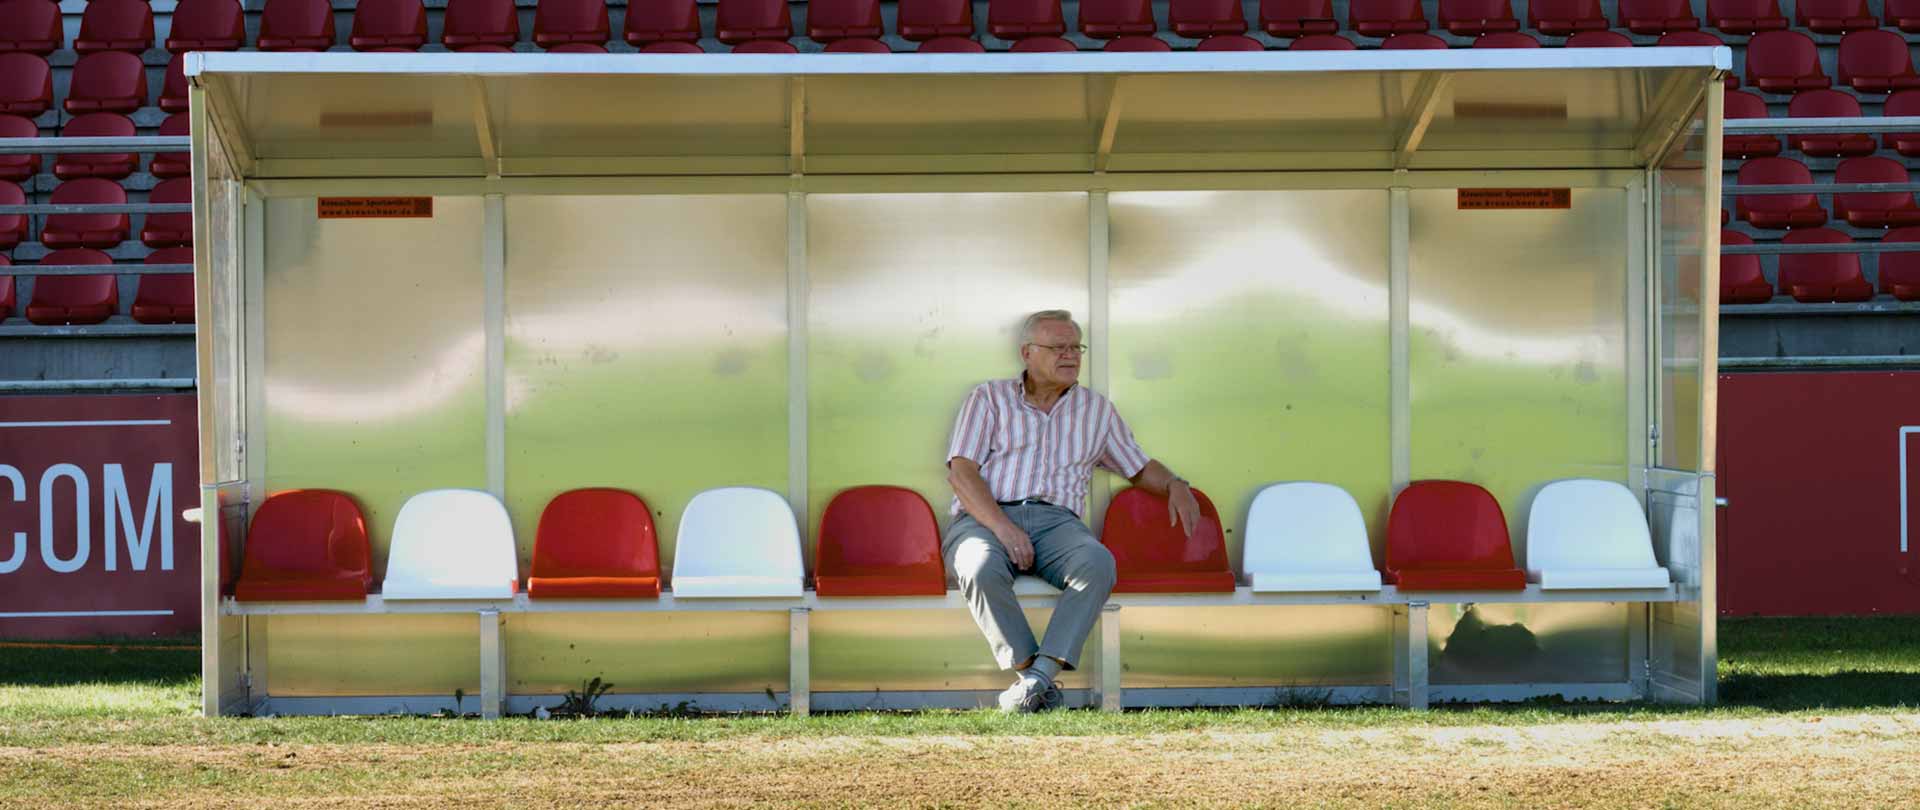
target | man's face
[{"x": 1050, "y": 354}]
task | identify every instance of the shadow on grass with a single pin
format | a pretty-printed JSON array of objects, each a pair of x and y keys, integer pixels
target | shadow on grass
[
  {"x": 165, "y": 662},
  {"x": 1840, "y": 690}
]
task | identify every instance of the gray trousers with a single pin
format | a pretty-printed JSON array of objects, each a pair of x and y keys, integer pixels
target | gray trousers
[{"x": 1065, "y": 554}]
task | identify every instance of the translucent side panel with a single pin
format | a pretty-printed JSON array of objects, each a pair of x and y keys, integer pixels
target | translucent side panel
[
  {"x": 1551, "y": 643},
  {"x": 913, "y": 300},
  {"x": 373, "y": 655},
  {"x": 1249, "y": 339},
  {"x": 375, "y": 355},
  {"x": 1334, "y": 645},
  {"x": 646, "y": 350},
  {"x": 550, "y": 653},
  {"x": 1681, "y": 293},
  {"x": 222, "y": 321},
  {"x": 1517, "y": 344},
  {"x": 864, "y": 650}
]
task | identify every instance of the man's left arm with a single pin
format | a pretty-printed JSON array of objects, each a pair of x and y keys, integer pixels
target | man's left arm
[{"x": 1123, "y": 455}]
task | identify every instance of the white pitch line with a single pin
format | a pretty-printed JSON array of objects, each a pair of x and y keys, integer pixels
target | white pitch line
[
  {"x": 62, "y": 614},
  {"x": 98, "y": 423}
]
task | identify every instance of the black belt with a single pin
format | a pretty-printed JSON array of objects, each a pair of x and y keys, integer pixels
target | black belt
[{"x": 1025, "y": 502}]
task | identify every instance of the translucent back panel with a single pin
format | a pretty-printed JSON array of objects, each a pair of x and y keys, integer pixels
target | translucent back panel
[
  {"x": 863, "y": 650},
  {"x": 914, "y": 299},
  {"x": 1517, "y": 344},
  {"x": 1682, "y": 291},
  {"x": 1249, "y": 339},
  {"x": 646, "y": 350},
  {"x": 688, "y": 651},
  {"x": 375, "y": 357},
  {"x": 222, "y": 322},
  {"x": 373, "y": 655},
  {"x": 1549, "y": 643},
  {"x": 1319, "y": 646}
]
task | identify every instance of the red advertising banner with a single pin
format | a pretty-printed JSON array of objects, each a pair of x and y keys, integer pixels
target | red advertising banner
[{"x": 91, "y": 538}]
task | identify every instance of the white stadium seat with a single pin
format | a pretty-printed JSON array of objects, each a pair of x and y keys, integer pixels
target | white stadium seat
[
  {"x": 1586, "y": 534},
  {"x": 738, "y": 542},
  {"x": 452, "y": 544},
  {"x": 1308, "y": 537}
]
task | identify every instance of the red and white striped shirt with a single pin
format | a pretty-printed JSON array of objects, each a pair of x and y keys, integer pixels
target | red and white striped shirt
[{"x": 1024, "y": 452}]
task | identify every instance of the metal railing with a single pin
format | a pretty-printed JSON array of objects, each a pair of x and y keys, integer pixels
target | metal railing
[{"x": 1820, "y": 126}]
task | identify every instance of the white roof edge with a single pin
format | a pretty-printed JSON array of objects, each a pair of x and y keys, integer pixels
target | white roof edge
[{"x": 909, "y": 64}]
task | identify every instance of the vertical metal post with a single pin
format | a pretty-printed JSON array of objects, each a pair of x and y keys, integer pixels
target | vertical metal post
[
  {"x": 799, "y": 663},
  {"x": 1106, "y": 663},
  {"x": 493, "y": 666},
  {"x": 258, "y": 689},
  {"x": 1099, "y": 330},
  {"x": 1397, "y": 639},
  {"x": 1417, "y": 655},
  {"x": 493, "y": 264},
  {"x": 797, "y": 337},
  {"x": 1638, "y": 666},
  {"x": 1400, "y": 386}
]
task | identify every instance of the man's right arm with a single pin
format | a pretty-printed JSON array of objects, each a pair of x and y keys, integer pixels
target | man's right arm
[{"x": 977, "y": 501}]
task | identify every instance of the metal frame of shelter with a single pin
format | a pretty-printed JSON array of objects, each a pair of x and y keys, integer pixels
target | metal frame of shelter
[{"x": 669, "y": 273}]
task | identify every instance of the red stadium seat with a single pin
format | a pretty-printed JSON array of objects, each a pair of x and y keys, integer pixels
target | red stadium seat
[
  {"x": 1778, "y": 210},
  {"x": 1902, "y": 104},
  {"x": 26, "y": 84},
  {"x": 1894, "y": 209},
  {"x": 1658, "y": 16},
  {"x": 173, "y": 91},
  {"x": 1742, "y": 17},
  {"x": 1562, "y": 18},
  {"x": 834, "y": 20},
  {"x": 472, "y": 24},
  {"x": 951, "y": 45},
  {"x": 1900, "y": 272},
  {"x": 1833, "y": 16},
  {"x": 61, "y": 300},
  {"x": 1599, "y": 39},
  {"x": 1413, "y": 42},
  {"x": 1904, "y": 15},
  {"x": 169, "y": 230},
  {"x": 296, "y": 25},
  {"x": 595, "y": 544},
  {"x": 1449, "y": 536},
  {"x": 857, "y": 46},
  {"x": 663, "y": 47},
  {"x": 1828, "y": 104},
  {"x": 740, "y": 21},
  {"x": 879, "y": 541},
  {"x": 1384, "y": 18},
  {"x": 114, "y": 166},
  {"x": 115, "y": 25},
  {"x": 1784, "y": 62},
  {"x": 165, "y": 298},
  {"x": 109, "y": 81},
  {"x": 775, "y": 46},
  {"x": 306, "y": 545},
  {"x": 388, "y": 24},
  {"x": 172, "y": 164},
  {"x": 1329, "y": 42},
  {"x": 13, "y": 227},
  {"x": 1744, "y": 105},
  {"x": 1137, "y": 45},
  {"x": 6, "y": 290},
  {"x": 1199, "y": 19},
  {"x": 1021, "y": 19},
  {"x": 1741, "y": 280},
  {"x": 1471, "y": 18},
  {"x": 1506, "y": 39},
  {"x": 578, "y": 47},
  {"x": 1109, "y": 19},
  {"x": 663, "y": 21},
  {"x": 571, "y": 22},
  {"x": 86, "y": 230},
  {"x": 924, "y": 20},
  {"x": 1876, "y": 61},
  {"x": 1296, "y": 18},
  {"x": 18, "y": 168},
  {"x": 1151, "y": 556},
  {"x": 1230, "y": 42},
  {"x": 1043, "y": 45},
  {"x": 207, "y": 25},
  {"x": 30, "y": 26},
  {"x": 1813, "y": 278}
]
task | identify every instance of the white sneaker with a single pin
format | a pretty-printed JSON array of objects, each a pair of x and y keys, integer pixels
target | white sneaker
[{"x": 1027, "y": 695}]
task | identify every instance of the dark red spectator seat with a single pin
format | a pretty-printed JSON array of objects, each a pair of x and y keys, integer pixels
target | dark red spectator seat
[
  {"x": 1784, "y": 62},
  {"x": 1893, "y": 209},
  {"x": 165, "y": 298},
  {"x": 18, "y": 168},
  {"x": 1777, "y": 210},
  {"x": 1449, "y": 536},
  {"x": 479, "y": 23},
  {"x": 1043, "y": 45},
  {"x": 1741, "y": 280},
  {"x": 1109, "y": 19},
  {"x": 1151, "y": 556},
  {"x": 857, "y": 46},
  {"x": 388, "y": 24},
  {"x": 296, "y": 25},
  {"x": 951, "y": 45},
  {"x": 1744, "y": 105},
  {"x": 663, "y": 21},
  {"x": 26, "y": 84},
  {"x": 1813, "y": 278},
  {"x": 1297, "y": 18},
  {"x": 1658, "y": 16},
  {"x": 1904, "y": 15},
  {"x": 740, "y": 21},
  {"x": 1413, "y": 42},
  {"x": 1833, "y": 16},
  {"x": 60, "y": 300},
  {"x": 1230, "y": 42},
  {"x": 207, "y": 25},
  {"x": 172, "y": 164},
  {"x": 113, "y": 166},
  {"x": 595, "y": 544},
  {"x": 1384, "y": 18},
  {"x": 571, "y": 22},
  {"x": 13, "y": 227},
  {"x": 1902, "y": 104},
  {"x": 1199, "y": 19},
  {"x": 1828, "y": 104},
  {"x": 30, "y": 26},
  {"x": 173, "y": 91},
  {"x": 169, "y": 230},
  {"x": 1471, "y": 18},
  {"x": 924, "y": 20},
  {"x": 1506, "y": 39},
  {"x": 1137, "y": 45},
  {"x": 879, "y": 541},
  {"x": 836, "y": 20},
  {"x": 306, "y": 545},
  {"x": 6, "y": 289},
  {"x": 1329, "y": 42},
  {"x": 86, "y": 230},
  {"x": 658, "y": 47},
  {"x": 1742, "y": 17},
  {"x": 1900, "y": 272},
  {"x": 1021, "y": 19},
  {"x": 108, "y": 81},
  {"x": 578, "y": 47},
  {"x": 1563, "y": 18},
  {"x": 1599, "y": 39},
  {"x": 115, "y": 25},
  {"x": 1876, "y": 61},
  {"x": 773, "y": 46}
]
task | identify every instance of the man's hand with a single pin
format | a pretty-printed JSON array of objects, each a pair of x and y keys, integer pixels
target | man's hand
[
  {"x": 1018, "y": 545},
  {"x": 1185, "y": 509}
]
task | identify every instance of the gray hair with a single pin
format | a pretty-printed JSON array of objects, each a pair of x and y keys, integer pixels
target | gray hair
[{"x": 1037, "y": 318}]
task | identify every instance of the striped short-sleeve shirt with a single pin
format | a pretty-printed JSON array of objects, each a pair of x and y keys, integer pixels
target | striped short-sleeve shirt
[{"x": 1024, "y": 452}]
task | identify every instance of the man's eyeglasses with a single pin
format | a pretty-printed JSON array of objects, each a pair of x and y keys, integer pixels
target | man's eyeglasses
[{"x": 1070, "y": 348}]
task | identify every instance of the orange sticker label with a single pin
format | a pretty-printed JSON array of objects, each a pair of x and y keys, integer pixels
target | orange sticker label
[
  {"x": 375, "y": 207},
  {"x": 1509, "y": 199}
]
